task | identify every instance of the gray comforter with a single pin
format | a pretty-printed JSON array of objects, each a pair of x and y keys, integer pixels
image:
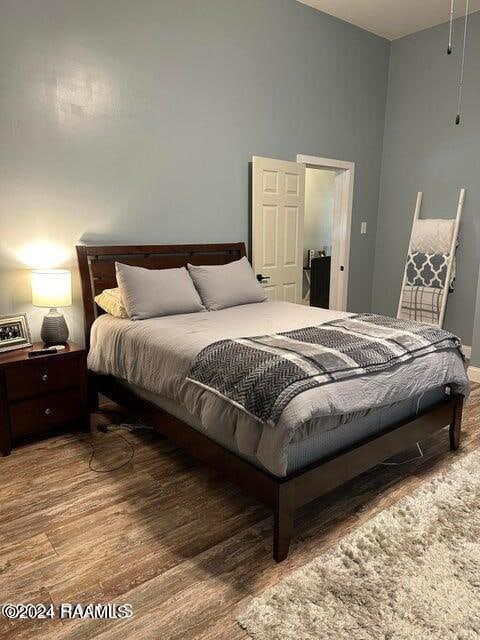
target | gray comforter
[{"x": 157, "y": 355}]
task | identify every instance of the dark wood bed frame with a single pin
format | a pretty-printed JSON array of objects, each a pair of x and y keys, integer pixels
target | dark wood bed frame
[{"x": 283, "y": 495}]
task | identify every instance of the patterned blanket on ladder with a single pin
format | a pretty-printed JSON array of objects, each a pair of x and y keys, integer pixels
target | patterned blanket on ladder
[{"x": 262, "y": 374}]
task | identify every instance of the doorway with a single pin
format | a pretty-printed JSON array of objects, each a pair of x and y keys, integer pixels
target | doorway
[
  {"x": 341, "y": 225},
  {"x": 279, "y": 225},
  {"x": 317, "y": 236}
]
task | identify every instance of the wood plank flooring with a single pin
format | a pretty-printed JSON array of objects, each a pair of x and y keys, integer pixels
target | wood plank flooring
[{"x": 183, "y": 546}]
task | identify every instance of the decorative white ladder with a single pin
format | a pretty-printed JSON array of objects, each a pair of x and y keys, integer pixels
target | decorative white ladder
[{"x": 451, "y": 260}]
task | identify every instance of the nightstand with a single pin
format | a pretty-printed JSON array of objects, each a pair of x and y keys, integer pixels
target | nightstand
[{"x": 38, "y": 394}]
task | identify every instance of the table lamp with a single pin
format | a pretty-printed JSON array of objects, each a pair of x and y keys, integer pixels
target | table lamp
[{"x": 52, "y": 288}]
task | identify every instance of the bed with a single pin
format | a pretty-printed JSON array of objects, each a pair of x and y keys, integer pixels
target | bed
[{"x": 321, "y": 440}]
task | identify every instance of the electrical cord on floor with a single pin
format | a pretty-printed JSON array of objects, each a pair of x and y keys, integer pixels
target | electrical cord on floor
[
  {"x": 397, "y": 464},
  {"x": 120, "y": 466},
  {"x": 111, "y": 427},
  {"x": 419, "y": 457}
]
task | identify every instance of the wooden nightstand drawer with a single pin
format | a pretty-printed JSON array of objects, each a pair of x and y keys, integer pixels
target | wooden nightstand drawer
[
  {"x": 47, "y": 411},
  {"x": 42, "y": 393},
  {"x": 41, "y": 377}
]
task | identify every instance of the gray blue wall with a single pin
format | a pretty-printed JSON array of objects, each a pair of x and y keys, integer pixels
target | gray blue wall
[
  {"x": 128, "y": 121},
  {"x": 425, "y": 151}
]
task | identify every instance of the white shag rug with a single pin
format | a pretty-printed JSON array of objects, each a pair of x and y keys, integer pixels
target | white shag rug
[{"x": 410, "y": 573}]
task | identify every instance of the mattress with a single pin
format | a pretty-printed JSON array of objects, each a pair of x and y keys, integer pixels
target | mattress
[
  {"x": 156, "y": 355},
  {"x": 322, "y": 443}
]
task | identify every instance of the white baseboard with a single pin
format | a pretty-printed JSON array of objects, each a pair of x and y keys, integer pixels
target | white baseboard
[
  {"x": 467, "y": 351},
  {"x": 474, "y": 374}
]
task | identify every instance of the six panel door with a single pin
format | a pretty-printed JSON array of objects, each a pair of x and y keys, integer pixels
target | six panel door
[{"x": 278, "y": 210}]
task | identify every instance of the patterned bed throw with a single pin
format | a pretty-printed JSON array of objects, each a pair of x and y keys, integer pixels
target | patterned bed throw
[
  {"x": 427, "y": 269},
  {"x": 422, "y": 304},
  {"x": 422, "y": 295},
  {"x": 261, "y": 375}
]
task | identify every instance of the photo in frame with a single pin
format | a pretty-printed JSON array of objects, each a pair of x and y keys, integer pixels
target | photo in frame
[{"x": 14, "y": 332}]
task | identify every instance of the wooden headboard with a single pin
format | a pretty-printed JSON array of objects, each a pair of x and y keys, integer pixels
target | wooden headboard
[{"x": 97, "y": 265}]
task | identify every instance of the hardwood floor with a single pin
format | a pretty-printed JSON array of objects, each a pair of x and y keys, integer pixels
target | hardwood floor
[{"x": 184, "y": 547}]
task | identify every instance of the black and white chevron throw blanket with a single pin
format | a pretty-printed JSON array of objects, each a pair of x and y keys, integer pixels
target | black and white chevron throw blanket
[{"x": 261, "y": 375}]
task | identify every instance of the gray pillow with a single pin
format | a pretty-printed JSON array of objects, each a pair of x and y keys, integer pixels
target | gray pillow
[
  {"x": 226, "y": 285},
  {"x": 150, "y": 293}
]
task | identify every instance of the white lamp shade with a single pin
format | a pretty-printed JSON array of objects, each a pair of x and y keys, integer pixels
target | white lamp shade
[{"x": 51, "y": 288}]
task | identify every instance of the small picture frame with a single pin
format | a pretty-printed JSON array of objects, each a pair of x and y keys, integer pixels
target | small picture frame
[{"x": 14, "y": 332}]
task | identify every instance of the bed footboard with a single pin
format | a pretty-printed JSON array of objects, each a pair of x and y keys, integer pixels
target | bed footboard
[
  {"x": 321, "y": 477},
  {"x": 286, "y": 495},
  {"x": 455, "y": 428}
]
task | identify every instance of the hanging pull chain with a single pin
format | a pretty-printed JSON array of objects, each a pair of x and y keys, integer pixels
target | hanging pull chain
[
  {"x": 460, "y": 86},
  {"x": 450, "y": 32}
]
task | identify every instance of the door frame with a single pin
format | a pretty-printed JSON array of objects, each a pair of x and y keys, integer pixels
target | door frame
[{"x": 342, "y": 228}]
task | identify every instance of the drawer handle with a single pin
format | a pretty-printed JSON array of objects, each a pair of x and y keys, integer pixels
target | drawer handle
[
  {"x": 45, "y": 377},
  {"x": 48, "y": 411}
]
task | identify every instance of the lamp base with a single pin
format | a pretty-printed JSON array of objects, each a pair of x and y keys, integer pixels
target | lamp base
[{"x": 54, "y": 329}]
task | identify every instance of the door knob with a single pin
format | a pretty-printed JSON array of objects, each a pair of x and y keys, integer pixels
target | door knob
[{"x": 262, "y": 278}]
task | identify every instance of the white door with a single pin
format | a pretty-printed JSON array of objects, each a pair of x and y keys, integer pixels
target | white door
[{"x": 278, "y": 208}]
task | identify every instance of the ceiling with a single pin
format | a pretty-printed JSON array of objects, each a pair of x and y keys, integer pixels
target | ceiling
[{"x": 392, "y": 18}]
